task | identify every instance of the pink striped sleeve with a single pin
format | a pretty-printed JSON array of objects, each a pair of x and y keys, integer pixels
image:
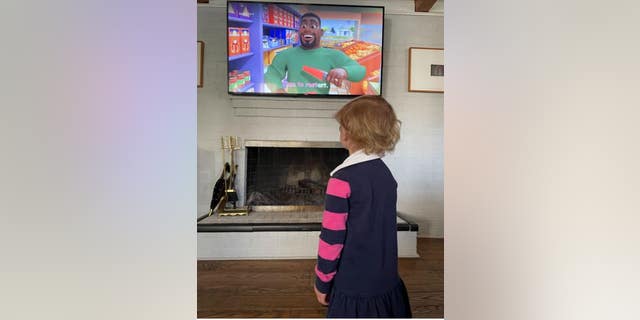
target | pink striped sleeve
[
  {"x": 329, "y": 252},
  {"x": 338, "y": 188},
  {"x": 334, "y": 221},
  {"x": 325, "y": 277}
]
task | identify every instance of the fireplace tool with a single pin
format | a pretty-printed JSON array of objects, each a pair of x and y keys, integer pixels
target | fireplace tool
[
  {"x": 218, "y": 198},
  {"x": 230, "y": 194}
]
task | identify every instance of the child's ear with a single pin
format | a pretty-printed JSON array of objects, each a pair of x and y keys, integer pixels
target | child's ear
[{"x": 347, "y": 138}]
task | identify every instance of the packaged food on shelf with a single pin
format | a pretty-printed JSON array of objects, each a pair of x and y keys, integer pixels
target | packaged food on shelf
[
  {"x": 233, "y": 84},
  {"x": 234, "y": 41},
  {"x": 247, "y": 76},
  {"x": 239, "y": 80},
  {"x": 365, "y": 53},
  {"x": 270, "y": 14},
  {"x": 357, "y": 49},
  {"x": 245, "y": 40}
]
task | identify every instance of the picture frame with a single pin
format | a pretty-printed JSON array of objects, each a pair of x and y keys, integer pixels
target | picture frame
[
  {"x": 426, "y": 69},
  {"x": 200, "y": 59}
]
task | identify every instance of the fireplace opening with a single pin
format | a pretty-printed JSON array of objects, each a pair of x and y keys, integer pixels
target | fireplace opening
[{"x": 290, "y": 174}]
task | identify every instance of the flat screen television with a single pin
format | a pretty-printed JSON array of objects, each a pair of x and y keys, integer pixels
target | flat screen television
[{"x": 310, "y": 50}]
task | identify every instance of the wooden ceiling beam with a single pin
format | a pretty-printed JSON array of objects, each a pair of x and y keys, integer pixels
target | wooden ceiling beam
[{"x": 424, "y": 5}]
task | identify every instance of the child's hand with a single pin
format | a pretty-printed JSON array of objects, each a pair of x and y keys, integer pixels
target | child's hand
[{"x": 322, "y": 298}]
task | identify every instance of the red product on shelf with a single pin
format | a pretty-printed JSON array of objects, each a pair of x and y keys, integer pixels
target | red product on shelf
[
  {"x": 234, "y": 41},
  {"x": 240, "y": 81},
  {"x": 233, "y": 83},
  {"x": 244, "y": 40},
  {"x": 276, "y": 15},
  {"x": 272, "y": 14}
]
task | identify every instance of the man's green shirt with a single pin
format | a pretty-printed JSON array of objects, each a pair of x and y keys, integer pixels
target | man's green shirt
[{"x": 290, "y": 62}]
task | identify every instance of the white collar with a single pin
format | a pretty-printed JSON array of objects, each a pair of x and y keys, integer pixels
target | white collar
[{"x": 356, "y": 157}]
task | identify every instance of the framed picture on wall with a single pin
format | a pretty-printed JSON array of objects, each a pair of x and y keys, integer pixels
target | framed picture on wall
[
  {"x": 200, "y": 57},
  {"x": 426, "y": 69}
]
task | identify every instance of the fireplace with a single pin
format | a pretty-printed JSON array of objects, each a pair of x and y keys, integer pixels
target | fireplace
[
  {"x": 289, "y": 175},
  {"x": 285, "y": 186}
]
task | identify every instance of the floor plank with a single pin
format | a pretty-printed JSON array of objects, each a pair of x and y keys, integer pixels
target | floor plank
[{"x": 284, "y": 288}]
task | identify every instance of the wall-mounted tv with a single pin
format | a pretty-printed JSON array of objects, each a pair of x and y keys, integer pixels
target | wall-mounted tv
[{"x": 289, "y": 49}]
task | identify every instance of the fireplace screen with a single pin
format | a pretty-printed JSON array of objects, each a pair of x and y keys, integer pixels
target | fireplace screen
[{"x": 290, "y": 176}]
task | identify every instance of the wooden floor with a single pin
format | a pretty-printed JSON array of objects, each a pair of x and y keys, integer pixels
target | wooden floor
[{"x": 284, "y": 288}]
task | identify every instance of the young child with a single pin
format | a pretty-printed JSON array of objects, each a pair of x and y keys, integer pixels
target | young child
[{"x": 357, "y": 270}]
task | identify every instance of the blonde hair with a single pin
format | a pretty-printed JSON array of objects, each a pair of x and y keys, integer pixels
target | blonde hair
[{"x": 370, "y": 123}]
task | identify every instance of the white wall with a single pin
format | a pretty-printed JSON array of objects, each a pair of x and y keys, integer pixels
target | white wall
[
  {"x": 542, "y": 161},
  {"x": 416, "y": 163}
]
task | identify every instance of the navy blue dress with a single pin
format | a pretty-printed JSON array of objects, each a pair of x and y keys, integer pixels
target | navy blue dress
[{"x": 358, "y": 249}]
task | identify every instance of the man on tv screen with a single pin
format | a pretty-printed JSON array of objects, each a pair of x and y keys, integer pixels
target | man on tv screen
[{"x": 309, "y": 68}]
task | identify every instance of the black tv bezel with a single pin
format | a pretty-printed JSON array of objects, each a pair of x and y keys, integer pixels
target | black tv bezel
[{"x": 292, "y": 95}]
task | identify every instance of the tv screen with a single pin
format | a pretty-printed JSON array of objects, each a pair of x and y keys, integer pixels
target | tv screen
[{"x": 287, "y": 49}]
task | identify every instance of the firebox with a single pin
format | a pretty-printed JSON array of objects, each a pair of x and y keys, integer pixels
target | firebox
[{"x": 289, "y": 175}]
